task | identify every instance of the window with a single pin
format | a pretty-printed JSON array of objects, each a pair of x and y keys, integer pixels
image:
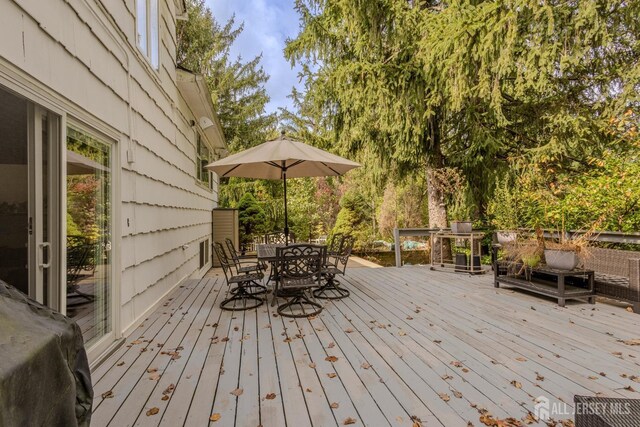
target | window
[
  {"x": 147, "y": 29},
  {"x": 203, "y": 157},
  {"x": 204, "y": 253}
]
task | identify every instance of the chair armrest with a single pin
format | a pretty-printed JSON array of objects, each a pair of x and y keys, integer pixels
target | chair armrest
[{"x": 634, "y": 274}]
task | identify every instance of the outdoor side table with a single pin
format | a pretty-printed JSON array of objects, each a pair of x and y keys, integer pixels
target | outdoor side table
[
  {"x": 474, "y": 239},
  {"x": 606, "y": 412},
  {"x": 560, "y": 284}
]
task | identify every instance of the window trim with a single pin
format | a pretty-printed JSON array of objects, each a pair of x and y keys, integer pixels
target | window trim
[
  {"x": 201, "y": 161},
  {"x": 147, "y": 51}
]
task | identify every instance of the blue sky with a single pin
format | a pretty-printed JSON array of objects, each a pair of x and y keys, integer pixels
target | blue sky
[{"x": 267, "y": 24}]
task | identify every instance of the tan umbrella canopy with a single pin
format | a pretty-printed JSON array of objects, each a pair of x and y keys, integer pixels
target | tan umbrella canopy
[{"x": 282, "y": 158}]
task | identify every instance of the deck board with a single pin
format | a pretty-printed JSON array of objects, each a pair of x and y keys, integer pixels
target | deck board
[{"x": 408, "y": 324}]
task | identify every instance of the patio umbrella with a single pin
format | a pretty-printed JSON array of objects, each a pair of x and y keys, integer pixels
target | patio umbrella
[{"x": 282, "y": 158}]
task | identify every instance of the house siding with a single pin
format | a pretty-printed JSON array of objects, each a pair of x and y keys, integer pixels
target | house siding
[{"x": 85, "y": 53}]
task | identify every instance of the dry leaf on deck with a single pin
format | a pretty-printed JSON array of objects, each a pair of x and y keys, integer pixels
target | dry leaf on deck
[
  {"x": 331, "y": 344},
  {"x": 165, "y": 397},
  {"x": 530, "y": 419},
  {"x": 237, "y": 392},
  {"x": 457, "y": 394},
  {"x": 630, "y": 309},
  {"x": 332, "y": 375},
  {"x": 136, "y": 342},
  {"x": 120, "y": 364},
  {"x": 215, "y": 417},
  {"x": 456, "y": 364},
  {"x": 516, "y": 384},
  {"x": 334, "y": 405},
  {"x": 629, "y": 388},
  {"x": 446, "y": 377},
  {"x": 348, "y": 421},
  {"x": 107, "y": 394},
  {"x": 331, "y": 359},
  {"x": 312, "y": 365},
  {"x": 154, "y": 376},
  {"x": 152, "y": 411},
  {"x": 402, "y": 333},
  {"x": 521, "y": 359},
  {"x": 444, "y": 396},
  {"x": 465, "y": 370},
  {"x": 539, "y": 377},
  {"x": 348, "y": 330},
  {"x": 150, "y": 370},
  {"x": 270, "y": 396},
  {"x": 365, "y": 365},
  {"x": 632, "y": 342}
]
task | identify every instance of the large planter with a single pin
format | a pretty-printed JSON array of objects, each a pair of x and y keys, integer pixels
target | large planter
[
  {"x": 561, "y": 260},
  {"x": 461, "y": 227},
  {"x": 505, "y": 237}
]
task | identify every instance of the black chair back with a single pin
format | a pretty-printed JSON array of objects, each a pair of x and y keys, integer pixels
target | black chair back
[
  {"x": 276, "y": 238},
  {"x": 224, "y": 260},
  {"x": 335, "y": 243},
  {"x": 300, "y": 264}
]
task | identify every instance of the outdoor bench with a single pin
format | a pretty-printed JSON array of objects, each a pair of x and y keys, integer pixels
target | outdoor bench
[{"x": 617, "y": 274}]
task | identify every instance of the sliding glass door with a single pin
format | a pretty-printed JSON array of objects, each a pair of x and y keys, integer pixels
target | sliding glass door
[
  {"x": 89, "y": 233},
  {"x": 29, "y": 197}
]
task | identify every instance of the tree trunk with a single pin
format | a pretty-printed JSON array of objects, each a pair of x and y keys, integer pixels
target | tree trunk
[{"x": 435, "y": 195}]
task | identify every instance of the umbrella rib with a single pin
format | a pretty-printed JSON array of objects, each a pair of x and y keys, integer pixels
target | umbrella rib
[
  {"x": 335, "y": 171},
  {"x": 230, "y": 170}
]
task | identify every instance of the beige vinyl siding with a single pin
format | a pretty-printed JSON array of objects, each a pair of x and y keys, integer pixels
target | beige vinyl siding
[{"x": 85, "y": 52}]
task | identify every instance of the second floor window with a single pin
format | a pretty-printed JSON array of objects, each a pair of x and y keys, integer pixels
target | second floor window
[
  {"x": 147, "y": 31},
  {"x": 203, "y": 157}
]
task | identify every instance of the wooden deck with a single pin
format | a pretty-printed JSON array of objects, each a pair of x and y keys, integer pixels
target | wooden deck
[{"x": 409, "y": 345}]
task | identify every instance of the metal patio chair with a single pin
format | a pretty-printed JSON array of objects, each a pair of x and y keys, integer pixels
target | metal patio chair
[
  {"x": 333, "y": 247},
  {"x": 299, "y": 271},
  {"x": 242, "y": 298},
  {"x": 278, "y": 238},
  {"x": 243, "y": 263},
  {"x": 336, "y": 264}
]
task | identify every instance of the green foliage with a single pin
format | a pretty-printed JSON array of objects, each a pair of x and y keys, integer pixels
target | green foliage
[
  {"x": 251, "y": 217},
  {"x": 504, "y": 208},
  {"x": 237, "y": 87}
]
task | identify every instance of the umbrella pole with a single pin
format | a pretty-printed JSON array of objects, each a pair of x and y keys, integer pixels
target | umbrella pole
[{"x": 286, "y": 218}]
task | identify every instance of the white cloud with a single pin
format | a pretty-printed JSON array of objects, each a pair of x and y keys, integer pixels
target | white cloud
[{"x": 267, "y": 24}]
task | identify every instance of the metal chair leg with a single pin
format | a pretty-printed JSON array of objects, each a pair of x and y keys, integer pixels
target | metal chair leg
[
  {"x": 239, "y": 294},
  {"x": 301, "y": 300},
  {"x": 331, "y": 290}
]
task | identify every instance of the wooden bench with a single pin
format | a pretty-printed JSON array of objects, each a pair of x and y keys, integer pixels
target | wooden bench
[{"x": 617, "y": 274}]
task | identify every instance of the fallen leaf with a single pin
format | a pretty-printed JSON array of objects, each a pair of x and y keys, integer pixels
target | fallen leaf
[
  {"x": 516, "y": 384},
  {"x": 237, "y": 392},
  {"x": 465, "y": 370},
  {"x": 602, "y": 374},
  {"x": 348, "y": 330},
  {"x": 409, "y": 318},
  {"x": 165, "y": 397},
  {"x": 169, "y": 389},
  {"x": 591, "y": 377},
  {"x": 331, "y": 344},
  {"x": 402, "y": 333},
  {"x": 539, "y": 377},
  {"x": 215, "y": 417},
  {"x": 308, "y": 390},
  {"x": 446, "y": 377},
  {"x": 444, "y": 396},
  {"x": 521, "y": 359},
  {"x": 630, "y": 309},
  {"x": 632, "y": 342},
  {"x": 334, "y": 405},
  {"x": 457, "y": 394},
  {"x": 348, "y": 421},
  {"x": 634, "y": 378},
  {"x": 312, "y": 365},
  {"x": 331, "y": 359},
  {"x": 107, "y": 394},
  {"x": 152, "y": 411},
  {"x": 270, "y": 396},
  {"x": 332, "y": 375},
  {"x": 154, "y": 376},
  {"x": 136, "y": 342},
  {"x": 437, "y": 341},
  {"x": 530, "y": 418},
  {"x": 365, "y": 365},
  {"x": 120, "y": 364},
  {"x": 629, "y": 388},
  {"x": 456, "y": 364}
]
